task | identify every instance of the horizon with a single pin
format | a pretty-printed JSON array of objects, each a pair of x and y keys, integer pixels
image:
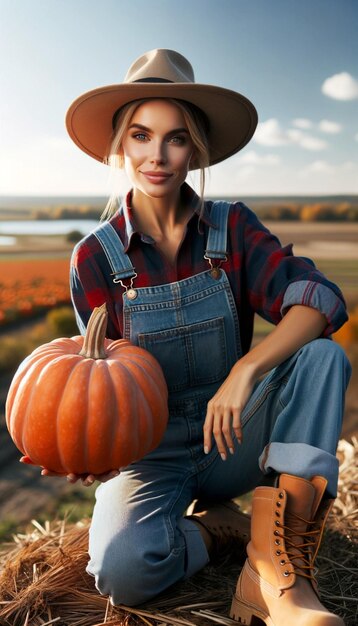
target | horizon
[{"x": 221, "y": 195}]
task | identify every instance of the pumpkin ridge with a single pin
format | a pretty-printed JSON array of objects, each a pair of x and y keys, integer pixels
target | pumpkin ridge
[
  {"x": 98, "y": 365},
  {"x": 148, "y": 372},
  {"x": 146, "y": 380},
  {"x": 19, "y": 376},
  {"x": 145, "y": 423},
  {"x": 80, "y": 363},
  {"x": 51, "y": 364},
  {"x": 10, "y": 419},
  {"x": 121, "y": 373},
  {"x": 22, "y": 385},
  {"x": 156, "y": 375},
  {"x": 113, "y": 423}
]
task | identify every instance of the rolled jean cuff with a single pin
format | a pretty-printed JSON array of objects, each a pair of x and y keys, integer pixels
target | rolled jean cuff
[
  {"x": 196, "y": 553},
  {"x": 300, "y": 459}
]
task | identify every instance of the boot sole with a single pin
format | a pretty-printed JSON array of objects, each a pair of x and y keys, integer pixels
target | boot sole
[{"x": 248, "y": 615}]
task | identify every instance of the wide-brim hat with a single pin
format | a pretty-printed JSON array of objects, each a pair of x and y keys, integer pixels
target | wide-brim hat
[{"x": 161, "y": 73}]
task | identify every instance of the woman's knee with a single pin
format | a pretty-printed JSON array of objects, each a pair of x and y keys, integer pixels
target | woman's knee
[
  {"x": 132, "y": 571},
  {"x": 122, "y": 575},
  {"x": 327, "y": 353}
]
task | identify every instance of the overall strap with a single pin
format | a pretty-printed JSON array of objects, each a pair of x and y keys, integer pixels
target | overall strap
[
  {"x": 216, "y": 245},
  {"x": 114, "y": 250}
]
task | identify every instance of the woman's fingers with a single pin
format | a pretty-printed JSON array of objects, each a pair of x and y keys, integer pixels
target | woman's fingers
[
  {"x": 227, "y": 429},
  {"x": 208, "y": 429},
  {"x": 220, "y": 422},
  {"x": 108, "y": 476},
  {"x": 87, "y": 479},
  {"x": 218, "y": 435},
  {"x": 26, "y": 459},
  {"x": 236, "y": 424},
  {"x": 46, "y": 472}
]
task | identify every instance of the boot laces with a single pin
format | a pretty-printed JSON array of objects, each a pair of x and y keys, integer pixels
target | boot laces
[{"x": 299, "y": 544}]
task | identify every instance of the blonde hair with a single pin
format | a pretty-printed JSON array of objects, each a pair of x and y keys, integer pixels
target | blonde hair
[{"x": 197, "y": 127}]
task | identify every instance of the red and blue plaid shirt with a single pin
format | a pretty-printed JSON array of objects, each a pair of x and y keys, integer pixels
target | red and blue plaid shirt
[{"x": 265, "y": 277}]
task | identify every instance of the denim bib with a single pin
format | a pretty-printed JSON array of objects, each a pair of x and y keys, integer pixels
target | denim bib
[{"x": 190, "y": 326}]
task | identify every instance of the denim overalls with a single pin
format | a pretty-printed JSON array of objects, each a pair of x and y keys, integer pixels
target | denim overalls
[{"x": 140, "y": 543}]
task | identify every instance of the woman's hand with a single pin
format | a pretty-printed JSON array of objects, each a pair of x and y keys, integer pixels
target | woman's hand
[
  {"x": 87, "y": 479},
  {"x": 224, "y": 409}
]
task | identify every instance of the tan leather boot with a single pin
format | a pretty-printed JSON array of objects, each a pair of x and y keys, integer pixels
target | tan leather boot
[
  {"x": 277, "y": 583},
  {"x": 225, "y": 523}
]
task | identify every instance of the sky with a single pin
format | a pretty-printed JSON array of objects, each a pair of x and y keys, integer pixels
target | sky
[{"x": 296, "y": 60}]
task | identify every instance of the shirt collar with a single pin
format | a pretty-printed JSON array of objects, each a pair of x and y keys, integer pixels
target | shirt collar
[{"x": 188, "y": 194}]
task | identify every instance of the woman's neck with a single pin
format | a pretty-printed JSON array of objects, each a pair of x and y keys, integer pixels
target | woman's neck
[{"x": 160, "y": 217}]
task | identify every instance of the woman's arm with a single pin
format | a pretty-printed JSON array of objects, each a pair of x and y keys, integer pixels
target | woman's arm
[{"x": 300, "y": 325}]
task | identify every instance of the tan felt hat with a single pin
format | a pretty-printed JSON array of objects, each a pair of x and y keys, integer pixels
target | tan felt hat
[{"x": 161, "y": 73}]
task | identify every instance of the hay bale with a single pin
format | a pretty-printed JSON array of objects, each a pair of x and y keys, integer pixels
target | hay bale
[{"x": 43, "y": 579}]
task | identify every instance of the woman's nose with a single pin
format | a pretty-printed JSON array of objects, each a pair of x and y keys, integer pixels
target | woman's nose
[{"x": 159, "y": 153}]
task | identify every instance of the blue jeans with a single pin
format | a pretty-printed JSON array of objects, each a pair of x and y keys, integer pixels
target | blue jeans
[{"x": 140, "y": 543}]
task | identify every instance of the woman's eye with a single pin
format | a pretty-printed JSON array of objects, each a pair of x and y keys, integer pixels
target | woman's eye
[
  {"x": 140, "y": 136},
  {"x": 178, "y": 139}
]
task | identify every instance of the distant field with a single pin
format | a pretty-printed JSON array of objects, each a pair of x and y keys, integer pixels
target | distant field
[{"x": 29, "y": 285}]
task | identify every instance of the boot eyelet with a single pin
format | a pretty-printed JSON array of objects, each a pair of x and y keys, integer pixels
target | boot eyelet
[
  {"x": 278, "y": 503},
  {"x": 286, "y": 573},
  {"x": 277, "y": 523},
  {"x": 282, "y": 562},
  {"x": 278, "y": 552},
  {"x": 277, "y": 542},
  {"x": 276, "y": 533},
  {"x": 280, "y": 495},
  {"x": 277, "y": 513}
]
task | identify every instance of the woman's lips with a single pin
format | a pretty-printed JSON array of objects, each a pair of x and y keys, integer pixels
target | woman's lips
[{"x": 156, "y": 178}]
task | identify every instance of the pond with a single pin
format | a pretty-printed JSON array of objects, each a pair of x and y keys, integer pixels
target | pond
[{"x": 44, "y": 227}]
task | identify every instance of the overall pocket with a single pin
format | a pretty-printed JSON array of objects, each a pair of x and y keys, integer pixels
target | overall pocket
[{"x": 189, "y": 355}]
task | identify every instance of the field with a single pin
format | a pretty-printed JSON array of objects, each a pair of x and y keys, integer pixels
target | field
[{"x": 29, "y": 285}]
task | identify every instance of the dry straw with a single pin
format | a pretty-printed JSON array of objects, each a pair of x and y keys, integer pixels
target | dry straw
[{"x": 43, "y": 579}]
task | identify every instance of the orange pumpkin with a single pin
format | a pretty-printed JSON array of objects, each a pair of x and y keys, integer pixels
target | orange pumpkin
[{"x": 87, "y": 404}]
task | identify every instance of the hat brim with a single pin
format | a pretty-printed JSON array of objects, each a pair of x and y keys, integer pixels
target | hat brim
[{"x": 232, "y": 117}]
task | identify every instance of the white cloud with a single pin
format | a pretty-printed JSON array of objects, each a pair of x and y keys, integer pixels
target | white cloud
[
  {"x": 303, "y": 123},
  {"x": 306, "y": 141},
  {"x": 269, "y": 133},
  {"x": 327, "y": 126},
  {"x": 320, "y": 176},
  {"x": 341, "y": 86},
  {"x": 319, "y": 166},
  {"x": 332, "y": 177},
  {"x": 252, "y": 158}
]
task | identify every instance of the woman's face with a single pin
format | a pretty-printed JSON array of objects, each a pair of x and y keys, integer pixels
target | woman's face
[{"x": 157, "y": 148}]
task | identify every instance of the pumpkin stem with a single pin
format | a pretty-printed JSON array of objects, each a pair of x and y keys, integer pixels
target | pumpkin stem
[{"x": 93, "y": 345}]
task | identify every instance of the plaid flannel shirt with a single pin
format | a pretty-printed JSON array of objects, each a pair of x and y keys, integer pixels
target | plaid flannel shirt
[{"x": 265, "y": 277}]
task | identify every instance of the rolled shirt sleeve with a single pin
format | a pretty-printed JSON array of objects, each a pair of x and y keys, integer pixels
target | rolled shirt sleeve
[
  {"x": 277, "y": 279},
  {"x": 320, "y": 297}
]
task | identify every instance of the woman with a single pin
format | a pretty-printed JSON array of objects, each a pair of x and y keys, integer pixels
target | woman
[{"x": 183, "y": 278}]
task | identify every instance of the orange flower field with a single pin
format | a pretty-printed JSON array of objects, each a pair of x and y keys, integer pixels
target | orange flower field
[{"x": 31, "y": 285}]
